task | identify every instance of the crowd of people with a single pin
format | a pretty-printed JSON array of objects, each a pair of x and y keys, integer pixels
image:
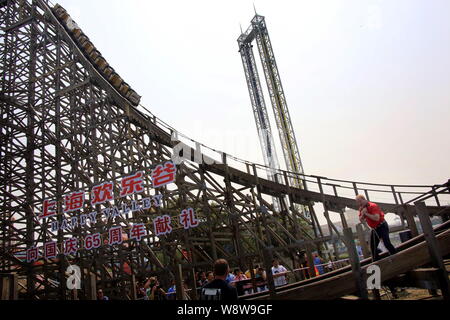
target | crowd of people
[
  {"x": 250, "y": 281},
  {"x": 223, "y": 284}
]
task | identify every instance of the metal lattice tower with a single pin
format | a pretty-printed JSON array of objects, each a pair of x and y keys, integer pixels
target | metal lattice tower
[
  {"x": 258, "y": 31},
  {"x": 260, "y": 111}
]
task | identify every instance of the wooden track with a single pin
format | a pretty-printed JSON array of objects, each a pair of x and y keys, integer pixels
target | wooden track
[
  {"x": 334, "y": 203},
  {"x": 412, "y": 254}
]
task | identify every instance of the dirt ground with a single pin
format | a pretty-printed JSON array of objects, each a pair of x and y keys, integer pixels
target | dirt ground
[
  {"x": 403, "y": 294},
  {"x": 411, "y": 294},
  {"x": 407, "y": 293},
  {"x": 418, "y": 294}
]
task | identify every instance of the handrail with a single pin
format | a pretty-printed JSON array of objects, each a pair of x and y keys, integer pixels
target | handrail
[{"x": 291, "y": 174}]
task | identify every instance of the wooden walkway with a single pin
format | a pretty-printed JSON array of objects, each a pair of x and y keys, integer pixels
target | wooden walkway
[{"x": 333, "y": 285}]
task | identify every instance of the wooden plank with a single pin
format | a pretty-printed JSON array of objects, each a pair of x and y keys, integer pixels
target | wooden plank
[
  {"x": 267, "y": 257},
  {"x": 362, "y": 241},
  {"x": 425, "y": 278},
  {"x": 433, "y": 248},
  {"x": 14, "y": 287},
  {"x": 342, "y": 284},
  {"x": 299, "y": 196},
  {"x": 19, "y": 24},
  {"x": 410, "y": 220},
  {"x": 92, "y": 287},
  {"x": 133, "y": 287},
  {"x": 359, "y": 276},
  {"x": 4, "y": 287},
  {"x": 179, "y": 283},
  {"x": 309, "y": 258}
]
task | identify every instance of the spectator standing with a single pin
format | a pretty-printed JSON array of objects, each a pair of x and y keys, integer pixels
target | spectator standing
[
  {"x": 260, "y": 277},
  {"x": 101, "y": 296},
  {"x": 248, "y": 274},
  {"x": 171, "y": 292},
  {"x": 238, "y": 275},
  {"x": 141, "y": 291},
  {"x": 238, "y": 278},
  {"x": 318, "y": 264},
  {"x": 201, "y": 279},
  {"x": 154, "y": 291},
  {"x": 277, "y": 268},
  {"x": 219, "y": 289},
  {"x": 230, "y": 278},
  {"x": 209, "y": 277}
]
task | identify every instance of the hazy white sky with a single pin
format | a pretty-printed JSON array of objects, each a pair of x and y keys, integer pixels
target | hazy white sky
[{"x": 367, "y": 82}]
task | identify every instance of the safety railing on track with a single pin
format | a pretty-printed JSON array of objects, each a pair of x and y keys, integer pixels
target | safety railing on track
[{"x": 398, "y": 194}]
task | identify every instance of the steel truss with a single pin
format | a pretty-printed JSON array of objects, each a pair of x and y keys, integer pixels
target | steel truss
[{"x": 258, "y": 31}]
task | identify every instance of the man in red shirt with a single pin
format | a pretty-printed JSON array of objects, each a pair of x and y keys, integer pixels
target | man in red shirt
[{"x": 371, "y": 213}]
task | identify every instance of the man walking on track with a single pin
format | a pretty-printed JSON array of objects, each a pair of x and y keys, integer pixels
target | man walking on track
[{"x": 371, "y": 213}]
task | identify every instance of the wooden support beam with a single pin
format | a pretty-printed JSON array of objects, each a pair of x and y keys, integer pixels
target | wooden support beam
[
  {"x": 237, "y": 241},
  {"x": 267, "y": 257},
  {"x": 14, "y": 286},
  {"x": 424, "y": 278},
  {"x": 355, "y": 188},
  {"x": 342, "y": 283},
  {"x": 252, "y": 275},
  {"x": 19, "y": 24},
  {"x": 433, "y": 248},
  {"x": 310, "y": 260},
  {"x": 358, "y": 274},
  {"x": 75, "y": 294},
  {"x": 5, "y": 287},
  {"x": 207, "y": 212},
  {"x": 343, "y": 219},
  {"x": 179, "y": 282},
  {"x": 92, "y": 294},
  {"x": 194, "y": 295},
  {"x": 133, "y": 287},
  {"x": 9, "y": 286},
  {"x": 408, "y": 214},
  {"x": 362, "y": 240}
]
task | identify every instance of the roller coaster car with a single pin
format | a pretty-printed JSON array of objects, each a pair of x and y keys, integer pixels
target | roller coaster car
[
  {"x": 101, "y": 63},
  {"x": 108, "y": 71},
  {"x": 83, "y": 40},
  {"x": 116, "y": 80},
  {"x": 88, "y": 47},
  {"x": 95, "y": 56},
  {"x": 133, "y": 97},
  {"x": 77, "y": 33},
  {"x": 60, "y": 11},
  {"x": 124, "y": 87}
]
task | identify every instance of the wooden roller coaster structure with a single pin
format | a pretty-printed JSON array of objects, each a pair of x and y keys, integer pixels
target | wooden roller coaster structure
[{"x": 69, "y": 122}]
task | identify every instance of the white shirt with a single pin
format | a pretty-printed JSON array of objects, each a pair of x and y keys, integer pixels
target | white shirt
[{"x": 281, "y": 280}]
